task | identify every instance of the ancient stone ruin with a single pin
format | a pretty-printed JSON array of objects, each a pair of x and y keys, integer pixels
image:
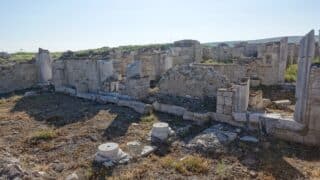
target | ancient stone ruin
[{"x": 179, "y": 81}]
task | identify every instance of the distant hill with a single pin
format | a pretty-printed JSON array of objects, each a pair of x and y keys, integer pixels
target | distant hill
[{"x": 291, "y": 39}]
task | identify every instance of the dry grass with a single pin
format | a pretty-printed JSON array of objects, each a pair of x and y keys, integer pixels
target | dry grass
[
  {"x": 186, "y": 166},
  {"x": 149, "y": 119},
  {"x": 43, "y": 135},
  {"x": 221, "y": 170}
]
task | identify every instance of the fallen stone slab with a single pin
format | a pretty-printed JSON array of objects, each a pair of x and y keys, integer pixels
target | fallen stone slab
[
  {"x": 88, "y": 96},
  {"x": 275, "y": 121},
  {"x": 282, "y": 103},
  {"x": 107, "y": 99},
  {"x": 198, "y": 118},
  {"x": 139, "y": 107},
  {"x": 147, "y": 150},
  {"x": 66, "y": 90},
  {"x": 170, "y": 109},
  {"x": 249, "y": 139}
]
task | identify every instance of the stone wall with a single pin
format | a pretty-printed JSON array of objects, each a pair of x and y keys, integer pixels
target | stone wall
[
  {"x": 185, "y": 52},
  {"x": 18, "y": 76},
  {"x": 192, "y": 80},
  {"x": 83, "y": 75}
]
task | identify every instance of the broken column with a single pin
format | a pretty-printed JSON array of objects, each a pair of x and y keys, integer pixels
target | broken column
[
  {"x": 306, "y": 54},
  {"x": 283, "y": 56},
  {"x": 241, "y": 96},
  {"x": 160, "y": 131},
  {"x": 44, "y": 63},
  {"x": 110, "y": 154}
]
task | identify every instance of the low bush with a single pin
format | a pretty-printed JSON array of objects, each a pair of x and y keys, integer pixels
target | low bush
[{"x": 291, "y": 73}]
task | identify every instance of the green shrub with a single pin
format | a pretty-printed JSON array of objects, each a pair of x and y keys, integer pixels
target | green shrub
[{"x": 291, "y": 73}]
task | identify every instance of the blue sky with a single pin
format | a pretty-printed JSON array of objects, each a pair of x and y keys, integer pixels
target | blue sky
[{"x": 60, "y": 25}]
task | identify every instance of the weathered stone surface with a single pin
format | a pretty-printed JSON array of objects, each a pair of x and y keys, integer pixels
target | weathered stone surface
[
  {"x": 134, "y": 70},
  {"x": 170, "y": 109},
  {"x": 66, "y": 90},
  {"x": 198, "y": 118},
  {"x": 107, "y": 99},
  {"x": 192, "y": 80},
  {"x": 249, "y": 139},
  {"x": 213, "y": 140},
  {"x": 282, "y": 103},
  {"x": 44, "y": 64},
  {"x": 139, "y": 107},
  {"x": 17, "y": 76},
  {"x": 306, "y": 54},
  {"x": 256, "y": 100}
]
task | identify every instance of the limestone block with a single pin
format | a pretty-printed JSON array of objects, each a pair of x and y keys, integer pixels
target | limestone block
[
  {"x": 220, "y": 100},
  {"x": 88, "y": 96},
  {"x": 227, "y": 94},
  {"x": 282, "y": 103},
  {"x": 198, "y": 118},
  {"x": 105, "y": 69},
  {"x": 134, "y": 70},
  {"x": 170, "y": 109},
  {"x": 227, "y": 109},
  {"x": 228, "y": 101},
  {"x": 225, "y": 119},
  {"x": 275, "y": 121},
  {"x": 240, "y": 117},
  {"x": 139, "y": 107},
  {"x": 219, "y": 109},
  {"x": 255, "y": 117},
  {"x": 66, "y": 90},
  {"x": 107, "y": 99}
]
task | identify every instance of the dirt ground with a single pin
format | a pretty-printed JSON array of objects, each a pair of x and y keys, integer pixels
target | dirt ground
[{"x": 77, "y": 127}]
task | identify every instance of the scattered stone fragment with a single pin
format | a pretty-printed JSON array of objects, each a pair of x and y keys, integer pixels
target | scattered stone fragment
[
  {"x": 148, "y": 150},
  {"x": 72, "y": 176},
  {"x": 213, "y": 139},
  {"x": 249, "y": 139}
]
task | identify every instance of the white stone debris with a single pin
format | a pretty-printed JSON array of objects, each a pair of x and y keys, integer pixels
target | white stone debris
[{"x": 109, "y": 154}]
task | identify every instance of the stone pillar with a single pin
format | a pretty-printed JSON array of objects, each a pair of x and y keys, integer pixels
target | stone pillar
[
  {"x": 306, "y": 55},
  {"x": 283, "y": 56},
  {"x": 241, "y": 96},
  {"x": 44, "y": 63}
]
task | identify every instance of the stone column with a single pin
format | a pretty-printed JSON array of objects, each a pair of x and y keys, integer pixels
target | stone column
[
  {"x": 306, "y": 55},
  {"x": 283, "y": 56},
  {"x": 44, "y": 63}
]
